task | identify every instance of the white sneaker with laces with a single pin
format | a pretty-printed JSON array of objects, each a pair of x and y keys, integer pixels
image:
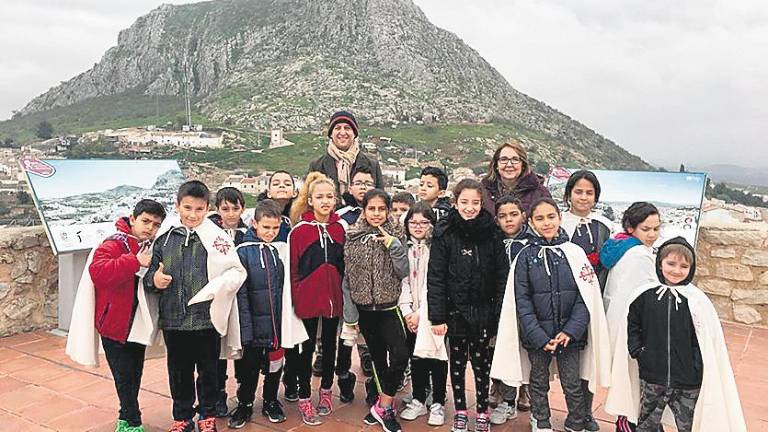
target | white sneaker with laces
[
  {"x": 413, "y": 410},
  {"x": 436, "y": 415},
  {"x": 502, "y": 413}
]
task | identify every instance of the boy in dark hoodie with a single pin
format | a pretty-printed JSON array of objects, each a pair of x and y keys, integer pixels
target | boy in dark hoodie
[
  {"x": 230, "y": 205},
  {"x": 113, "y": 271},
  {"x": 432, "y": 186},
  {"x": 662, "y": 338},
  {"x": 259, "y": 303},
  {"x": 514, "y": 234}
]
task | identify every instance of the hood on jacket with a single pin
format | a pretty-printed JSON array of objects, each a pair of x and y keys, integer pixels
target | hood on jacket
[
  {"x": 677, "y": 241},
  {"x": 362, "y": 227},
  {"x": 123, "y": 225},
  {"x": 615, "y": 248},
  {"x": 286, "y": 210},
  {"x": 483, "y": 226},
  {"x": 310, "y": 217},
  {"x": 349, "y": 200}
]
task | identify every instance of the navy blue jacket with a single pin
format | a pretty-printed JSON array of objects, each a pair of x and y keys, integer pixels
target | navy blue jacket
[
  {"x": 259, "y": 300},
  {"x": 548, "y": 303}
]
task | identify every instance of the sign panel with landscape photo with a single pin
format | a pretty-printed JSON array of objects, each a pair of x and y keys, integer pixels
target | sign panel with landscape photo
[
  {"x": 79, "y": 200},
  {"x": 677, "y": 195}
]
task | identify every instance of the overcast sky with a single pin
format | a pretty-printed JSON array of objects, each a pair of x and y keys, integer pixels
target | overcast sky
[{"x": 683, "y": 81}]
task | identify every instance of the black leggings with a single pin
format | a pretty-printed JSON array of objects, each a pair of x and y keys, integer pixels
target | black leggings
[
  {"x": 299, "y": 364},
  {"x": 247, "y": 374},
  {"x": 188, "y": 351},
  {"x": 126, "y": 361},
  {"x": 385, "y": 332},
  {"x": 422, "y": 369},
  {"x": 477, "y": 350}
]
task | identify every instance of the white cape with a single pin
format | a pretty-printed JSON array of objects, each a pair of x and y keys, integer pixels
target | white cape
[
  {"x": 718, "y": 408},
  {"x": 510, "y": 360},
  {"x": 570, "y": 221},
  {"x": 292, "y": 331}
]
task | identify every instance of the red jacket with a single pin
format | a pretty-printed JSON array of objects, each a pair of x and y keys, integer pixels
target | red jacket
[
  {"x": 113, "y": 271},
  {"x": 317, "y": 266}
]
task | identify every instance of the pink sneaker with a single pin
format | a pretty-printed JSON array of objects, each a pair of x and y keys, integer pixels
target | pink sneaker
[
  {"x": 308, "y": 414},
  {"x": 325, "y": 404}
]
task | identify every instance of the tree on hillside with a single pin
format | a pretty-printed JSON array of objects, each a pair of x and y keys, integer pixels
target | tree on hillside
[{"x": 44, "y": 130}]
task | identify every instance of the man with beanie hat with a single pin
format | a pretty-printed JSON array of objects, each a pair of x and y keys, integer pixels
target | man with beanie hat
[{"x": 343, "y": 153}]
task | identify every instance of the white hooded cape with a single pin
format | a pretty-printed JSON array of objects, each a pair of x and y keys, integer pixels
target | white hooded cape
[
  {"x": 292, "y": 329},
  {"x": 718, "y": 408},
  {"x": 510, "y": 360},
  {"x": 83, "y": 340}
]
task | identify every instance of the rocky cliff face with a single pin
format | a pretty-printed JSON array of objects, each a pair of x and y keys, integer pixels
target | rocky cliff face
[{"x": 288, "y": 63}]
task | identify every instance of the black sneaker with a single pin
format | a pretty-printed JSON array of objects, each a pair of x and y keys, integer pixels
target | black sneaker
[
  {"x": 240, "y": 416},
  {"x": 221, "y": 405},
  {"x": 369, "y": 419},
  {"x": 317, "y": 366},
  {"x": 590, "y": 424},
  {"x": 273, "y": 411},
  {"x": 386, "y": 418},
  {"x": 347, "y": 387},
  {"x": 291, "y": 394}
]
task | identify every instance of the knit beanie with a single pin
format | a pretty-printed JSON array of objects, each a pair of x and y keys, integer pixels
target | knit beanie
[{"x": 342, "y": 117}]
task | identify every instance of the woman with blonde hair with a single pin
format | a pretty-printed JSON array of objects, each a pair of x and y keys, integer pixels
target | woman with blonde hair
[
  {"x": 510, "y": 173},
  {"x": 317, "y": 265}
]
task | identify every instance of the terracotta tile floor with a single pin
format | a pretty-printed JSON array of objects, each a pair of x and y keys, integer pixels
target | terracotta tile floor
[{"x": 42, "y": 390}]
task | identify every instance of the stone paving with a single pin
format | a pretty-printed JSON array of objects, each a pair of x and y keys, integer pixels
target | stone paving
[{"x": 42, "y": 390}]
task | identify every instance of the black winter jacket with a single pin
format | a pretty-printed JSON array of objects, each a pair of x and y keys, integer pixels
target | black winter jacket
[
  {"x": 467, "y": 272},
  {"x": 327, "y": 165},
  {"x": 548, "y": 302},
  {"x": 260, "y": 299},
  {"x": 661, "y": 336},
  {"x": 186, "y": 260}
]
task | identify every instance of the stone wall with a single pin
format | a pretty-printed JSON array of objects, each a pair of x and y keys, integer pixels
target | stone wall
[
  {"x": 732, "y": 268},
  {"x": 28, "y": 281}
]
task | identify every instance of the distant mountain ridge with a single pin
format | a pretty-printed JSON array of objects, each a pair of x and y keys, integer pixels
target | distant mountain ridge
[
  {"x": 734, "y": 174},
  {"x": 290, "y": 63}
]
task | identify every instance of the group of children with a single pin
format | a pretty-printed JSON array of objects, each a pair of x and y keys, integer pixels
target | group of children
[{"x": 427, "y": 286}]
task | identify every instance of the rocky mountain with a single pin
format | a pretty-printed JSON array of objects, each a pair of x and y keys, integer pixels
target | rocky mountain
[{"x": 289, "y": 63}]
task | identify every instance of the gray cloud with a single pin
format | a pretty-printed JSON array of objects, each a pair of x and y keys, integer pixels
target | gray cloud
[{"x": 672, "y": 83}]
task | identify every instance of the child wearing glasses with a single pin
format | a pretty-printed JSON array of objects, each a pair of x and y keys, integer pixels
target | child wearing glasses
[{"x": 429, "y": 362}]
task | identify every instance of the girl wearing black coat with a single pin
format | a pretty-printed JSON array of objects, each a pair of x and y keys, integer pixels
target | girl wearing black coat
[{"x": 467, "y": 271}]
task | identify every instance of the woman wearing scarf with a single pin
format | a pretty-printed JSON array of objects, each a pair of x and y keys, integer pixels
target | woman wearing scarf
[{"x": 344, "y": 154}]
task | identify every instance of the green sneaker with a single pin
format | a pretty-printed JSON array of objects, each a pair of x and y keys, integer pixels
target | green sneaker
[
  {"x": 134, "y": 429},
  {"x": 121, "y": 426}
]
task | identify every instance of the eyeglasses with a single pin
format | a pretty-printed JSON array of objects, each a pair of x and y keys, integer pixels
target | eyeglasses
[
  {"x": 363, "y": 183},
  {"x": 422, "y": 224},
  {"x": 514, "y": 160}
]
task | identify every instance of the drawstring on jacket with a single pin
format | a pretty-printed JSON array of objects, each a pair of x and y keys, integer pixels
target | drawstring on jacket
[
  {"x": 543, "y": 255},
  {"x": 585, "y": 222},
  {"x": 508, "y": 243},
  {"x": 663, "y": 289}
]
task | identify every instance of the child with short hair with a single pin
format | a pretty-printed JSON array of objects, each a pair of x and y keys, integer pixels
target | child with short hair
[
  {"x": 467, "y": 271},
  {"x": 432, "y": 186},
  {"x": 196, "y": 273},
  {"x": 401, "y": 203},
  {"x": 429, "y": 363},
  {"x": 317, "y": 267},
  {"x": 260, "y": 308},
  {"x": 672, "y": 330},
  {"x": 281, "y": 188},
  {"x": 514, "y": 234},
  {"x": 376, "y": 261},
  {"x": 362, "y": 182},
  {"x": 113, "y": 282},
  {"x": 230, "y": 205}
]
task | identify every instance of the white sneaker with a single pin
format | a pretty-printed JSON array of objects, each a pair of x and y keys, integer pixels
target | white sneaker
[
  {"x": 502, "y": 413},
  {"x": 413, "y": 410},
  {"x": 535, "y": 427},
  {"x": 436, "y": 415}
]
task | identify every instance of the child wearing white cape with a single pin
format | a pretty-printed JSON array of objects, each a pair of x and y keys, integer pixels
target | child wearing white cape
[
  {"x": 673, "y": 320},
  {"x": 110, "y": 306},
  {"x": 552, "y": 271}
]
